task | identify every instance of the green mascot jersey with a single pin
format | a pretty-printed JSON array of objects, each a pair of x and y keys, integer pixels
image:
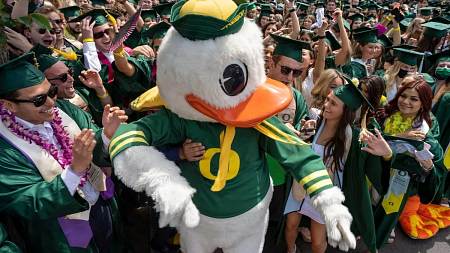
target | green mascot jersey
[
  {"x": 38, "y": 204},
  {"x": 248, "y": 177}
]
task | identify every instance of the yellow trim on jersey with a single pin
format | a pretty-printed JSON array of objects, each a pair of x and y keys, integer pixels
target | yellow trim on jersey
[
  {"x": 134, "y": 139},
  {"x": 118, "y": 138},
  {"x": 318, "y": 185},
  {"x": 312, "y": 176}
]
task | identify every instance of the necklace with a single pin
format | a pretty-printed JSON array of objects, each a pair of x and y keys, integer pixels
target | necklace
[
  {"x": 64, "y": 158},
  {"x": 395, "y": 124}
]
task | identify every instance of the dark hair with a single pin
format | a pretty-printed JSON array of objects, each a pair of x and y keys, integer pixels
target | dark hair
[
  {"x": 335, "y": 148},
  {"x": 380, "y": 61},
  {"x": 10, "y": 95},
  {"x": 425, "y": 96},
  {"x": 375, "y": 87},
  {"x": 264, "y": 28},
  {"x": 427, "y": 43}
]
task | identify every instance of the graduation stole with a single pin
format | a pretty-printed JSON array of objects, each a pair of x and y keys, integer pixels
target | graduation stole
[{"x": 399, "y": 182}]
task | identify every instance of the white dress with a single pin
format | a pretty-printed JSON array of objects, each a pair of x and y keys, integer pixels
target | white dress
[{"x": 307, "y": 87}]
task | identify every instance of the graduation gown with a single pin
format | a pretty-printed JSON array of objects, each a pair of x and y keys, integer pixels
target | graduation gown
[
  {"x": 38, "y": 204},
  {"x": 5, "y": 245},
  {"x": 355, "y": 70}
]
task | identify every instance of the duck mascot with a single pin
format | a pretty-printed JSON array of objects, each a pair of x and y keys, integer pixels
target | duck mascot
[{"x": 211, "y": 77}]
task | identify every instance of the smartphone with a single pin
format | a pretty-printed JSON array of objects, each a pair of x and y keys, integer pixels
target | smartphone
[
  {"x": 398, "y": 15},
  {"x": 396, "y": 5},
  {"x": 306, "y": 130}
]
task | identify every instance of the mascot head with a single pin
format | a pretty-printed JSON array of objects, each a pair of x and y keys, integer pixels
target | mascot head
[{"x": 211, "y": 66}]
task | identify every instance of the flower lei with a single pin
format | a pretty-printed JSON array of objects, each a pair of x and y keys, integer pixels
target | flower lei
[
  {"x": 396, "y": 125},
  {"x": 65, "y": 158}
]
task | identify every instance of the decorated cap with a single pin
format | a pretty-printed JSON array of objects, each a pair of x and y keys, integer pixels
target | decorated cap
[
  {"x": 20, "y": 73},
  {"x": 426, "y": 11},
  {"x": 164, "y": 8},
  {"x": 351, "y": 95},
  {"x": 157, "y": 31},
  {"x": 303, "y": 6},
  {"x": 149, "y": 14},
  {"x": 346, "y": 25},
  {"x": 100, "y": 16},
  {"x": 331, "y": 40},
  {"x": 71, "y": 11},
  {"x": 440, "y": 57},
  {"x": 369, "y": 36},
  {"x": 356, "y": 17},
  {"x": 385, "y": 41},
  {"x": 435, "y": 29},
  {"x": 99, "y": 2},
  {"x": 408, "y": 57},
  {"x": 289, "y": 47},
  {"x": 207, "y": 19}
]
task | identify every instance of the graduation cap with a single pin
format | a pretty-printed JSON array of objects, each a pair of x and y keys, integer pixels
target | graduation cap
[
  {"x": 426, "y": 11},
  {"x": 99, "y": 2},
  {"x": 405, "y": 23},
  {"x": 289, "y": 47},
  {"x": 346, "y": 25},
  {"x": 445, "y": 15},
  {"x": 356, "y": 17},
  {"x": 345, "y": 8},
  {"x": 319, "y": 5},
  {"x": 43, "y": 57},
  {"x": 251, "y": 6},
  {"x": 440, "y": 57},
  {"x": 360, "y": 29},
  {"x": 402, "y": 46},
  {"x": 71, "y": 11},
  {"x": 164, "y": 8},
  {"x": 435, "y": 29},
  {"x": 100, "y": 16},
  {"x": 370, "y": 18},
  {"x": 302, "y": 16},
  {"x": 303, "y": 6},
  {"x": 351, "y": 95},
  {"x": 440, "y": 20},
  {"x": 149, "y": 14},
  {"x": 157, "y": 31},
  {"x": 385, "y": 41},
  {"x": 369, "y": 36},
  {"x": 331, "y": 40},
  {"x": 266, "y": 10},
  {"x": 20, "y": 73},
  {"x": 373, "y": 7},
  {"x": 407, "y": 57},
  {"x": 133, "y": 2},
  {"x": 310, "y": 1}
]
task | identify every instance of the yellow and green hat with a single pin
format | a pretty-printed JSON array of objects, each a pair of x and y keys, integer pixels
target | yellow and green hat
[
  {"x": 408, "y": 57},
  {"x": 440, "y": 57},
  {"x": 157, "y": 31},
  {"x": 289, "y": 47},
  {"x": 435, "y": 29},
  {"x": 20, "y": 73},
  {"x": 351, "y": 95},
  {"x": 164, "y": 8},
  {"x": 369, "y": 36},
  {"x": 207, "y": 19},
  {"x": 100, "y": 16},
  {"x": 71, "y": 11}
]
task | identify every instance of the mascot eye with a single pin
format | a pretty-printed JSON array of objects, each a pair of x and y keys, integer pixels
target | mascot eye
[{"x": 234, "y": 78}]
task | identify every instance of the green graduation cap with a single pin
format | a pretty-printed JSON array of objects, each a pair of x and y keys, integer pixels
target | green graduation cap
[
  {"x": 408, "y": 57},
  {"x": 331, "y": 40},
  {"x": 426, "y": 11},
  {"x": 369, "y": 36},
  {"x": 149, "y": 14},
  {"x": 435, "y": 29},
  {"x": 71, "y": 11},
  {"x": 133, "y": 2},
  {"x": 346, "y": 25},
  {"x": 251, "y": 6},
  {"x": 164, "y": 8},
  {"x": 289, "y": 47},
  {"x": 351, "y": 95},
  {"x": 46, "y": 61},
  {"x": 361, "y": 29},
  {"x": 266, "y": 10},
  {"x": 280, "y": 6},
  {"x": 302, "y": 16},
  {"x": 370, "y": 18},
  {"x": 362, "y": 7},
  {"x": 440, "y": 57},
  {"x": 440, "y": 20},
  {"x": 405, "y": 23},
  {"x": 303, "y": 6},
  {"x": 346, "y": 8},
  {"x": 309, "y": 1},
  {"x": 100, "y": 16},
  {"x": 157, "y": 31},
  {"x": 373, "y": 7},
  {"x": 403, "y": 46},
  {"x": 99, "y": 2},
  {"x": 385, "y": 41},
  {"x": 191, "y": 19},
  {"x": 356, "y": 17},
  {"x": 319, "y": 5},
  {"x": 20, "y": 73},
  {"x": 445, "y": 15}
]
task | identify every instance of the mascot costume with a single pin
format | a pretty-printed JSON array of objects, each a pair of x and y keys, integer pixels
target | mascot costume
[{"x": 211, "y": 77}]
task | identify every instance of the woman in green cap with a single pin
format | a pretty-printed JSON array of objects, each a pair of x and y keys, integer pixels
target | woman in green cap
[
  {"x": 414, "y": 31},
  {"x": 407, "y": 117},
  {"x": 363, "y": 51},
  {"x": 346, "y": 165},
  {"x": 431, "y": 41}
]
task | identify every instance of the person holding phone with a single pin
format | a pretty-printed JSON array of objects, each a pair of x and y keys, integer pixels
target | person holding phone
[{"x": 364, "y": 50}]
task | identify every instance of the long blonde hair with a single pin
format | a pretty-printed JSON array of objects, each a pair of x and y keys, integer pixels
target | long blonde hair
[
  {"x": 391, "y": 73},
  {"x": 412, "y": 28},
  {"x": 319, "y": 91}
]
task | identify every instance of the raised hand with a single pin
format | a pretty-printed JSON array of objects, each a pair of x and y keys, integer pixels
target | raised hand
[
  {"x": 192, "y": 151},
  {"x": 92, "y": 80},
  {"x": 18, "y": 40},
  {"x": 82, "y": 149},
  {"x": 86, "y": 28},
  {"x": 145, "y": 50},
  {"x": 377, "y": 144},
  {"x": 112, "y": 118}
]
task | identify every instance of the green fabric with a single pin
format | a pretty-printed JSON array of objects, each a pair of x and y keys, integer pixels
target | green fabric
[
  {"x": 385, "y": 41},
  {"x": 19, "y": 73},
  {"x": 439, "y": 57},
  {"x": 303, "y": 6},
  {"x": 46, "y": 61},
  {"x": 251, "y": 6},
  {"x": 426, "y": 11},
  {"x": 369, "y": 36},
  {"x": 133, "y": 86},
  {"x": 346, "y": 25},
  {"x": 5, "y": 245},
  {"x": 148, "y": 14},
  {"x": 330, "y": 63},
  {"x": 163, "y": 8},
  {"x": 250, "y": 185},
  {"x": 157, "y": 31},
  {"x": 134, "y": 40},
  {"x": 354, "y": 70},
  {"x": 201, "y": 27},
  {"x": 356, "y": 17},
  {"x": 408, "y": 57},
  {"x": 351, "y": 95},
  {"x": 426, "y": 191},
  {"x": 71, "y": 11},
  {"x": 98, "y": 15},
  {"x": 99, "y": 2},
  {"x": 289, "y": 47},
  {"x": 435, "y": 29},
  {"x": 331, "y": 40}
]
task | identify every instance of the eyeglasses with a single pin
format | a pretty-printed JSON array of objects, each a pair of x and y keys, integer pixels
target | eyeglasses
[
  {"x": 63, "y": 77},
  {"x": 39, "y": 100},
  {"x": 286, "y": 71},
  {"x": 57, "y": 21},
  {"x": 100, "y": 35},
  {"x": 42, "y": 31}
]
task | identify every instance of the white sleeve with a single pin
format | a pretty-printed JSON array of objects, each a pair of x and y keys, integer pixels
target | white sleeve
[
  {"x": 91, "y": 60},
  {"x": 71, "y": 179},
  {"x": 105, "y": 147}
]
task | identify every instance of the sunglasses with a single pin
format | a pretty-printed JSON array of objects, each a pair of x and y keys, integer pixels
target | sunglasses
[
  {"x": 42, "y": 31},
  {"x": 286, "y": 71},
  {"x": 57, "y": 21},
  {"x": 39, "y": 100},
  {"x": 63, "y": 77},
  {"x": 100, "y": 35}
]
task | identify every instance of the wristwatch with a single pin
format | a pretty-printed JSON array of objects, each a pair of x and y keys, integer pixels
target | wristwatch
[{"x": 291, "y": 9}]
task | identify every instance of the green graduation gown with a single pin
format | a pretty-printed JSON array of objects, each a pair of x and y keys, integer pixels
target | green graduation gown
[
  {"x": 133, "y": 86},
  {"x": 5, "y": 245},
  {"x": 354, "y": 70},
  {"x": 38, "y": 204}
]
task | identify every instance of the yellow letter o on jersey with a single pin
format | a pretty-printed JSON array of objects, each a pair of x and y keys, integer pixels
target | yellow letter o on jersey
[{"x": 205, "y": 164}]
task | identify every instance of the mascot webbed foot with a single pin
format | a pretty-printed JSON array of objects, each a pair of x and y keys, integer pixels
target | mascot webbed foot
[
  {"x": 143, "y": 168},
  {"x": 336, "y": 216}
]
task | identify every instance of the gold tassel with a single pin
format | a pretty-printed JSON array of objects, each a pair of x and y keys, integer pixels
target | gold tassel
[
  {"x": 36, "y": 64},
  {"x": 69, "y": 56},
  {"x": 110, "y": 17}
]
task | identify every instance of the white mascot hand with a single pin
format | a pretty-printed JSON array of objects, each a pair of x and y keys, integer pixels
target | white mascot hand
[
  {"x": 143, "y": 168},
  {"x": 336, "y": 216}
]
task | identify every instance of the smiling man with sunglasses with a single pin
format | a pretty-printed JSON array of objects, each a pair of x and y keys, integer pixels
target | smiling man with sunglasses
[{"x": 45, "y": 156}]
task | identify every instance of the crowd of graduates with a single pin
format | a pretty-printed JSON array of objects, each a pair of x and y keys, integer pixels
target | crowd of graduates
[{"x": 392, "y": 57}]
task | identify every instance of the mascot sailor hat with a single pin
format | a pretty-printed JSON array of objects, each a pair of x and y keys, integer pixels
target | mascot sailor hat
[{"x": 211, "y": 77}]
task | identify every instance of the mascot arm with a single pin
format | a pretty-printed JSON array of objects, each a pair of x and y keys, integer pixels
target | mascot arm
[{"x": 143, "y": 168}]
